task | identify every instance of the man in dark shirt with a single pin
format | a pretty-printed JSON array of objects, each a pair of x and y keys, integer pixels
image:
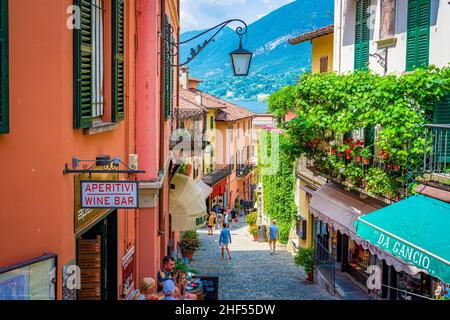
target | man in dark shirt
[{"x": 166, "y": 273}]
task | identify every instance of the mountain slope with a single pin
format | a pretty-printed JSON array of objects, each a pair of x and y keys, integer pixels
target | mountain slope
[{"x": 276, "y": 63}]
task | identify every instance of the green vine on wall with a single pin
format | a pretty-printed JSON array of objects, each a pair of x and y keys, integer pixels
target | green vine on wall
[
  {"x": 279, "y": 185},
  {"x": 329, "y": 104}
]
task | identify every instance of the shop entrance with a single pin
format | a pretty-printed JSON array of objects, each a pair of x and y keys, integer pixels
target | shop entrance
[{"x": 97, "y": 259}]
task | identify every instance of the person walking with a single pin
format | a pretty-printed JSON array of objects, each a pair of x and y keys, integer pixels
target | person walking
[
  {"x": 274, "y": 236},
  {"x": 211, "y": 223},
  {"x": 225, "y": 240},
  {"x": 219, "y": 220}
]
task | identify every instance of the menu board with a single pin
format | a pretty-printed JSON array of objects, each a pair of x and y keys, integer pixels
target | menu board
[
  {"x": 35, "y": 280},
  {"x": 89, "y": 261}
]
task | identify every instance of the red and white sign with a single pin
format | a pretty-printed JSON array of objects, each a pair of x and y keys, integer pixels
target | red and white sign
[{"x": 109, "y": 194}]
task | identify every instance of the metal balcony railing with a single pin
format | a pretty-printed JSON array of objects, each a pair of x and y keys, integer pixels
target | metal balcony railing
[
  {"x": 243, "y": 170},
  {"x": 437, "y": 149},
  {"x": 220, "y": 172}
]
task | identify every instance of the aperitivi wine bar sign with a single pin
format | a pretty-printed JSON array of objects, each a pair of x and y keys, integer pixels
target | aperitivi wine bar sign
[{"x": 109, "y": 194}]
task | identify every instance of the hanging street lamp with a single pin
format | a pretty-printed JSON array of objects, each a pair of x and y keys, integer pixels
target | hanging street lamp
[{"x": 241, "y": 58}]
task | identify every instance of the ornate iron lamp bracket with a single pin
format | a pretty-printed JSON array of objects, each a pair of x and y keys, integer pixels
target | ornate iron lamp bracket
[
  {"x": 381, "y": 58},
  {"x": 240, "y": 31},
  {"x": 100, "y": 165}
]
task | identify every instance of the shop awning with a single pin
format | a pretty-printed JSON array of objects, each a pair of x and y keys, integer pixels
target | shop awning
[
  {"x": 415, "y": 230},
  {"x": 187, "y": 204},
  {"x": 206, "y": 190},
  {"x": 338, "y": 208},
  {"x": 341, "y": 210}
]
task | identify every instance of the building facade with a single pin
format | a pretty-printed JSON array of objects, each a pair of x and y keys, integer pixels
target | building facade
[{"x": 69, "y": 115}]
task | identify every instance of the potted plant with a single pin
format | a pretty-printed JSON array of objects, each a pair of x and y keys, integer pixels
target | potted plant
[
  {"x": 356, "y": 153},
  {"x": 353, "y": 174},
  {"x": 254, "y": 232},
  {"x": 305, "y": 259},
  {"x": 379, "y": 183},
  {"x": 251, "y": 218},
  {"x": 188, "y": 244},
  {"x": 366, "y": 154}
]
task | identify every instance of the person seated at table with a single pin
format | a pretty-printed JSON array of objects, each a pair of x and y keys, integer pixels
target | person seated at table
[
  {"x": 166, "y": 273},
  {"x": 169, "y": 290},
  {"x": 146, "y": 290},
  {"x": 180, "y": 283}
]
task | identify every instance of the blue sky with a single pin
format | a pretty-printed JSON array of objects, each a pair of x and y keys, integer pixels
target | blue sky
[{"x": 202, "y": 14}]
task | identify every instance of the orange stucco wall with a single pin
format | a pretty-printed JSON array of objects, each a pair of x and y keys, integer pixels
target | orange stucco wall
[{"x": 37, "y": 211}]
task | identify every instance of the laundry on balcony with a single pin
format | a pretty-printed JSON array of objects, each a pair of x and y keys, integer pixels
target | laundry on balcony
[{"x": 187, "y": 204}]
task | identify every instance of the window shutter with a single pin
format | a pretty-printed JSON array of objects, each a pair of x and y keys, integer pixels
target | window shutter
[
  {"x": 442, "y": 111},
  {"x": 167, "y": 75},
  {"x": 324, "y": 64},
  {"x": 4, "y": 67},
  {"x": 362, "y": 35},
  {"x": 83, "y": 67},
  {"x": 369, "y": 138},
  {"x": 418, "y": 34},
  {"x": 118, "y": 113}
]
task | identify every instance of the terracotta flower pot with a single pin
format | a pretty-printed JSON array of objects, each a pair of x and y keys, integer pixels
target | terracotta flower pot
[
  {"x": 396, "y": 167},
  {"x": 333, "y": 151},
  {"x": 349, "y": 156},
  {"x": 310, "y": 277},
  {"x": 366, "y": 161},
  {"x": 255, "y": 237},
  {"x": 358, "y": 159},
  {"x": 188, "y": 254}
]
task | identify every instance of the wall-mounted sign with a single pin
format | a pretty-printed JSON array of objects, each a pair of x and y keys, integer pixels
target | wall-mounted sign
[
  {"x": 32, "y": 280},
  {"x": 128, "y": 280},
  {"x": 109, "y": 194}
]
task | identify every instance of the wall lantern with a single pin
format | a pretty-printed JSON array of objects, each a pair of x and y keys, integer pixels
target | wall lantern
[{"x": 240, "y": 58}]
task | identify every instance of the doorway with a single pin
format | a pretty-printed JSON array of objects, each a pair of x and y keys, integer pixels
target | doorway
[{"x": 97, "y": 260}]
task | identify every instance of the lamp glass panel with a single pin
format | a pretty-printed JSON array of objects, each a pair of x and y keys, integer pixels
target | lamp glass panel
[{"x": 241, "y": 63}]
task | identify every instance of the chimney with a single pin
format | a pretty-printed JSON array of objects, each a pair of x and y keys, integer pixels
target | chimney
[{"x": 184, "y": 78}]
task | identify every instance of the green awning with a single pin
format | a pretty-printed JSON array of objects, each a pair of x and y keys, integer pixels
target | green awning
[{"x": 417, "y": 230}]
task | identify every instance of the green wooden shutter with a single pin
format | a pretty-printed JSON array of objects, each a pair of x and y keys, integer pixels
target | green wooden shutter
[
  {"x": 369, "y": 138},
  {"x": 362, "y": 35},
  {"x": 441, "y": 115},
  {"x": 4, "y": 67},
  {"x": 118, "y": 89},
  {"x": 167, "y": 75},
  {"x": 418, "y": 34},
  {"x": 83, "y": 67},
  {"x": 442, "y": 111}
]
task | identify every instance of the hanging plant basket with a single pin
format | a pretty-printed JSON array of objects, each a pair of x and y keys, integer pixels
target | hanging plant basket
[{"x": 366, "y": 161}]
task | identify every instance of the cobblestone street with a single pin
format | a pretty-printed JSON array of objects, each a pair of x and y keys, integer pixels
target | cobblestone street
[{"x": 253, "y": 274}]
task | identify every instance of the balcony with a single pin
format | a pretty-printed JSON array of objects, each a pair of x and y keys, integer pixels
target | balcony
[
  {"x": 243, "y": 170},
  {"x": 221, "y": 172},
  {"x": 377, "y": 177},
  {"x": 436, "y": 162}
]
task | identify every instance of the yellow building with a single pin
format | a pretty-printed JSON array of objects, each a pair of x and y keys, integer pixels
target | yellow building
[
  {"x": 322, "y": 47},
  {"x": 307, "y": 182}
]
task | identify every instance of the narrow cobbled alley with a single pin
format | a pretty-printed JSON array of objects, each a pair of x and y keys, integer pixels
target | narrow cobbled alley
[{"x": 253, "y": 273}]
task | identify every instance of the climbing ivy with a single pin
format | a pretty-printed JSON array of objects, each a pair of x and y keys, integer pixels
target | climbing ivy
[
  {"x": 279, "y": 185},
  {"x": 329, "y": 104}
]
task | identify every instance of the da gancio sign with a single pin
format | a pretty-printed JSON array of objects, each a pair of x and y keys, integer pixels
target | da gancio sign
[{"x": 109, "y": 194}]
